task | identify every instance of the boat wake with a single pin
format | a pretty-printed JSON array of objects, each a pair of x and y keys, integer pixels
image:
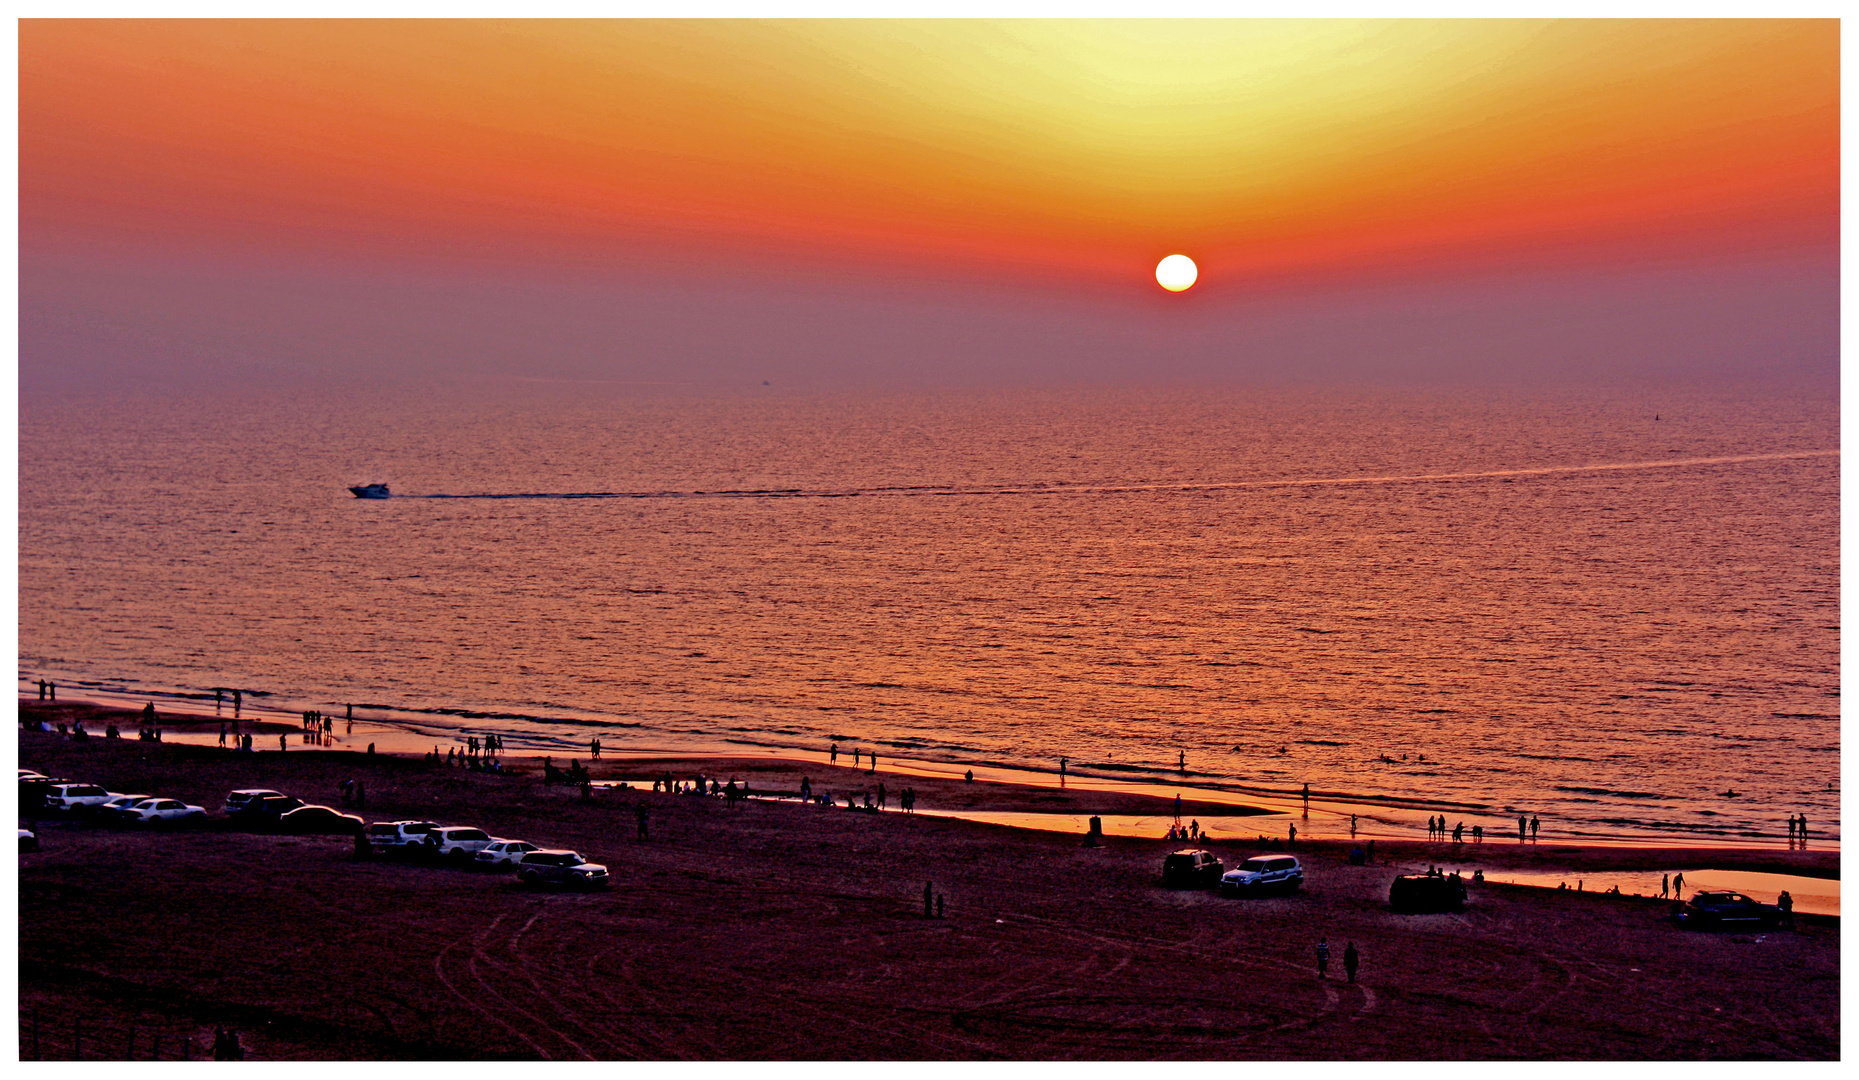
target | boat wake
[{"x": 933, "y": 491}]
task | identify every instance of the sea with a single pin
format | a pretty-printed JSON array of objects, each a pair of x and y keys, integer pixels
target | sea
[{"x": 1616, "y": 609}]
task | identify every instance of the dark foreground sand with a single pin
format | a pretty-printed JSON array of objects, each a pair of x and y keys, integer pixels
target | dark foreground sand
[{"x": 782, "y": 931}]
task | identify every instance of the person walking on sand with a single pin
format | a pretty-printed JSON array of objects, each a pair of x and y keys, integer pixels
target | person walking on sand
[
  {"x": 873, "y": 755},
  {"x": 1061, "y": 772},
  {"x": 1351, "y": 959},
  {"x": 1323, "y": 959},
  {"x": 222, "y": 734},
  {"x": 1665, "y": 886},
  {"x": 858, "y": 756},
  {"x": 1678, "y": 886},
  {"x": 832, "y": 755}
]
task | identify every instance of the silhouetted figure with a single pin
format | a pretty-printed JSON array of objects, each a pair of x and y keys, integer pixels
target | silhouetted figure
[
  {"x": 1678, "y": 886},
  {"x": 1522, "y": 829},
  {"x": 1352, "y": 826},
  {"x": 1534, "y": 825},
  {"x": 1182, "y": 763},
  {"x": 926, "y": 899},
  {"x": 969, "y": 777},
  {"x": 1291, "y": 835},
  {"x": 222, "y": 734},
  {"x": 857, "y": 756},
  {"x": 806, "y": 790},
  {"x": 1665, "y": 885},
  {"x": 1351, "y": 959},
  {"x": 1307, "y": 800},
  {"x": 1061, "y": 772},
  {"x": 1323, "y": 959},
  {"x": 1095, "y": 833},
  {"x": 282, "y": 743},
  {"x": 1786, "y": 903},
  {"x": 832, "y": 755}
]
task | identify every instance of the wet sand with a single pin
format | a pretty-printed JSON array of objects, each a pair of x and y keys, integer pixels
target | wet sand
[{"x": 777, "y": 930}]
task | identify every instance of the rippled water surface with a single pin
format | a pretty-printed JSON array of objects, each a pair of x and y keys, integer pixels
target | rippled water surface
[{"x": 1553, "y": 602}]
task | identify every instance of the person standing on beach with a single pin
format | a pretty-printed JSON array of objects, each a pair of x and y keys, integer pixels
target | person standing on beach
[
  {"x": 1323, "y": 959},
  {"x": 873, "y": 755},
  {"x": 927, "y": 896},
  {"x": 1182, "y": 764},
  {"x": 1522, "y": 829},
  {"x": 281, "y": 742},
  {"x": 1534, "y": 825},
  {"x": 1786, "y": 903},
  {"x": 832, "y": 755},
  {"x": 1291, "y": 836},
  {"x": 222, "y": 734},
  {"x": 1678, "y": 886},
  {"x": 1306, "y": 800},
  {"x": 857, "y": 757},
  {"x": 1352, "y": 826},
  {"x": 1665, "y": 886},
  {"x": 1351, "y": 958},
  {"x": 1061, "y": 772}
]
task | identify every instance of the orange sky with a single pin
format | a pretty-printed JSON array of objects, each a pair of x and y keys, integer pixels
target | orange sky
[{"x": 1063, "y": 151}]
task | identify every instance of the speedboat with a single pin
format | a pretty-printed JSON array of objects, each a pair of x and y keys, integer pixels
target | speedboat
[{"x": 370, "y": 491}]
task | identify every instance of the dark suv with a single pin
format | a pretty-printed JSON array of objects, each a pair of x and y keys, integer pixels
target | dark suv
[
  {"x": 1728, "y": 910},
  {"x": 560, "y": 868},
  {"x": 1191, "y": 868}
]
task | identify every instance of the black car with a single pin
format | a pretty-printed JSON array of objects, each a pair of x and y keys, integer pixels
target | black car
[
  {"x": 1420, "y": 894},
  {"x": 1728, "y": 911},
  {"x": 264, "y": 813},
  {"x": 1191, "y": 868},
  {"x": 319, "y": 819}
]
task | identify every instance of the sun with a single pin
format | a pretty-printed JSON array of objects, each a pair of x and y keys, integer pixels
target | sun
[{"x": 1177, "y": 272}]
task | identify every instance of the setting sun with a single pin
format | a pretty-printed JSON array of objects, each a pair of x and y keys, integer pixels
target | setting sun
[{"x": 1176, "y": 273}]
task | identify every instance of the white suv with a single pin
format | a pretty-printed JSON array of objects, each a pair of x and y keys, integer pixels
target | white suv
[
  {"x": 1263, "y": 872},
  {"x": 69, "y": 797},
  {"x": 457, "y": 843}
]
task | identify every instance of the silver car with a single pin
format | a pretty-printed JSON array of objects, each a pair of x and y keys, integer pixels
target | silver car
[
  {"x": 1263, "y": 873},
  {"x": 503, "y": 854}
]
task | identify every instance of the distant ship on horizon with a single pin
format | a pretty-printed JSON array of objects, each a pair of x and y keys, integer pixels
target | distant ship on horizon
[{"x": 370, "y": 491}]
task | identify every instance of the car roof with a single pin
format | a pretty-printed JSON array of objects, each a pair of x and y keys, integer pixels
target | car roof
[{"x": 257, "y": 791}]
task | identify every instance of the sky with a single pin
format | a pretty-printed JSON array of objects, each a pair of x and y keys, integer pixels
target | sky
[{"x": 719, "y": 203}]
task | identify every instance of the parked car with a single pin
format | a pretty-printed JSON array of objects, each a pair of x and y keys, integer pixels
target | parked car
[
  {"x": 502, "y": 854},
  {"x": 1419, "y": 894},
  {"x": 1728, "y": 911},
  {"x": 319, "y": 819},
  {"x": 398, "y": 837},
  {"x": 124, "y": 811},
  {"x": 168, "y": 812},
  {"x": 264, "y": 812},
  {"x": 28, "y": 840},
  {"x": 1190, "y": 868},
  {"x": 34, "y": 789},
  {"x": 1263, "y": 873},
  {"x": 546, "y": 867},
  {"x": 68, "y": 797},
  {"x": 456, "y": 843},
  {"x": 236, "y": 801}
]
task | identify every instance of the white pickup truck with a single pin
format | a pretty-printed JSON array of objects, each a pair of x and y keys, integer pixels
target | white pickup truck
[{"x": 401, "y": 837}]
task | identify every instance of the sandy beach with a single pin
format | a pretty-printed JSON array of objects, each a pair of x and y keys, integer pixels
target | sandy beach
[{"x": 780, "y": 930}]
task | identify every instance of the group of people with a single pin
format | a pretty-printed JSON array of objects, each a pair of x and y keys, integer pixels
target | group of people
[
  {"x": 1178, "y": 831},
  {"x": 1527, "y": 829},
  {"x": 861, "y": 759},
  {"x": 321, "y": 730},
  {"x": 48, "y": 691},
  {"x": 1797, "y": 830}
]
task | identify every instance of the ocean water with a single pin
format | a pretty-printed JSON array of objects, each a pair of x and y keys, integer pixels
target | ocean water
[{"x": 1605, "y": 608}]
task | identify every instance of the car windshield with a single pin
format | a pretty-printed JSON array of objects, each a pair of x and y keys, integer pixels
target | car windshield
[
  {"x": 1254, "y": 865},
  {"x": 467, "y": 834}
]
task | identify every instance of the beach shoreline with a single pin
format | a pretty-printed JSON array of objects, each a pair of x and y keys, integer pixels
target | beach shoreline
[{"x": 1324, "y": 815}]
